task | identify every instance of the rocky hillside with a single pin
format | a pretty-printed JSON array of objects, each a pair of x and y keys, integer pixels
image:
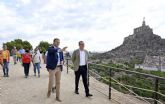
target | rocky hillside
[{"x": 136, "y": 46}]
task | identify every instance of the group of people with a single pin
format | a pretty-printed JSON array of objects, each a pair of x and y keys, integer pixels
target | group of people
[
  {"x": 31, "y": 57},
  {"x": 25, "y": 57},
  {"x": 54, "y": 65},
  {"x": 54, "y": 60}
]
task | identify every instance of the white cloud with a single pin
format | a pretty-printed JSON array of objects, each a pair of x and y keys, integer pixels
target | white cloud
[
  {"x": 102, "y": 24},
  {"x": 25, "y": 2}
]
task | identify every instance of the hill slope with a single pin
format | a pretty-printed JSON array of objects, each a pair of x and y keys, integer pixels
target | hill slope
[{"x": 136, "y": 46}]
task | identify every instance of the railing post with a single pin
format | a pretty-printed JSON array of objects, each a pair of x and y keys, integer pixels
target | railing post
[
  {"x": 88, "y": 74},
  {"x": 67, "y": 65},
  {"x": 110, "y": 84},
  {"x": 156, "y": 90}
]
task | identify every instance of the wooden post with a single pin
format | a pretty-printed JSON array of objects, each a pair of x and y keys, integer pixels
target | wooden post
[
  {"x": 110, "y": 84},
  {"x": 156, "y": 90}
]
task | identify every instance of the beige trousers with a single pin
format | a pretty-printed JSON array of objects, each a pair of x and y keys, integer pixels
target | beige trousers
[{"x": 55, "y": 76}]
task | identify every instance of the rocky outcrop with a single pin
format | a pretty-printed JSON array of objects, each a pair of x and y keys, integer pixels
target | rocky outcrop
[{"x": 141, "y": 43}]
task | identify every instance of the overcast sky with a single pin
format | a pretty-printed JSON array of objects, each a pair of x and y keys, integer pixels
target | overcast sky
[{"x": 102, "y": 24}]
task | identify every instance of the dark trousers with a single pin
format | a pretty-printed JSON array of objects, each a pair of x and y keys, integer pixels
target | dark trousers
[
  {"x": 26, "y": 68},
  {"x": 81, "y": 71},
  {"x": 5, "y": 67}
]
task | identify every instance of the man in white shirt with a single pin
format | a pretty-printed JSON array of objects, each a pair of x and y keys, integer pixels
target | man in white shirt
[{"x": 80, "y": 61}]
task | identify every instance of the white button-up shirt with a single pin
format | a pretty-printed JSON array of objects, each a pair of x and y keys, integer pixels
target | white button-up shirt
[
  {"x": 59, "y": 61},
  {"x": 58, "y": 53},
  {"x": 82, "y": 58}
]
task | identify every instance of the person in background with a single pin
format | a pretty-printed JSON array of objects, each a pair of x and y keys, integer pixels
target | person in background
[
  {"x": 14, "y": 54},
  {"x": 43, "y": 57},
  {"x": 1, "y": 58},
  {"x": 6, "y": 60},
  {"x": 39, "y": 52},
  {"x": 54, "y": 65},
  {"x": 80, "y": 62},
  {"x": 18, "y": 56},
  {"x": 31, "y": 52},
  {"x": 26, "y": 60},
  {"x": 36, "y": 59},
  {"x": 22, "y": 51}
]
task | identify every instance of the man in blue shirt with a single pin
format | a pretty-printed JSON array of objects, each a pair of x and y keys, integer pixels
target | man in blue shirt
[{"x": 22, "y": 51}]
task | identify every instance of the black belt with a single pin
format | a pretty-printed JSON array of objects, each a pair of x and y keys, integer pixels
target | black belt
[{"x": 82, "y": 65}]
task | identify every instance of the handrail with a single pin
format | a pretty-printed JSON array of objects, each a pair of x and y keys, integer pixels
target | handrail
[
  {"x": 142, "y": 98},
  {"x": 129, "y": 71},
  {"x": 123, "y": 85},
  {"x": 157, "y": 78},
  {"x": 133, "y": 86}
]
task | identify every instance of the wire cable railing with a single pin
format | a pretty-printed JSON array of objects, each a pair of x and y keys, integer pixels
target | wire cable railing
[
  {"x": 123, "y": 85},
  {"x": 137, "y": 96}
]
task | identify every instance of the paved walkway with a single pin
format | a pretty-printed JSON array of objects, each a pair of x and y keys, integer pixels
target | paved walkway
[{"x": 18, "y": 90}]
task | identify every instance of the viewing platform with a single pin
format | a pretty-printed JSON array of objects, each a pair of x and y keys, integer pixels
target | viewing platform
[{"x": 18, "y": 90}]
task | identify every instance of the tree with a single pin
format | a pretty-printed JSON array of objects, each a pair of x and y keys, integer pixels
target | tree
[
  {"x": 43, "y": 45},
  {"x": 18, "y": 43},
  {"x": 26, "y": 45}
]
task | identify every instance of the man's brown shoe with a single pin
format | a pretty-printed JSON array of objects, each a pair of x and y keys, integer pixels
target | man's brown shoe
[
  {"x": 48, "y": 94},
  {"x": 58, "y": 99}
]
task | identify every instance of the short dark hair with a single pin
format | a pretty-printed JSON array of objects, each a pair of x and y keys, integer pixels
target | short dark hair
[
  {"x": 27, "y": 51},
  {"x": 55, "y": 39},
  {"x": 80, "y": 42}
]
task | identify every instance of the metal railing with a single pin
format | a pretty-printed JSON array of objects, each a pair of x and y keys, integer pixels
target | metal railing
[{"x": 109, "y": 70}]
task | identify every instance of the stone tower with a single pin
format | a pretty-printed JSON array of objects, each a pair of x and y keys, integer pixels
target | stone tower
[{"x": 143, "y": 29}]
